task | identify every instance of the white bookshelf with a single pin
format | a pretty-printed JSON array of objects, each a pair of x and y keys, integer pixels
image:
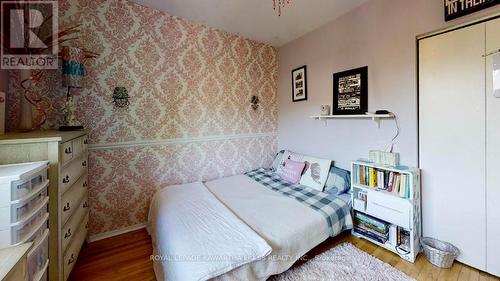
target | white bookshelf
[{"x": 389, "y": 207}]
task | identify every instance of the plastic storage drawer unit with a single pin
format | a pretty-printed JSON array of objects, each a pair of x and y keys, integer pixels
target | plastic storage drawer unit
[{"x": 23, "y": 202}]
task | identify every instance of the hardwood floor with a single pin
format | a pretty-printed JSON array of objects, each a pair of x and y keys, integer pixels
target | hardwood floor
[{"x": 126, "y": 257}]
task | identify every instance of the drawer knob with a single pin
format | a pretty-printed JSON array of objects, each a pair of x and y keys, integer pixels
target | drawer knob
[
  {"x": 84, "y": 184},
  {"x": 67, "y": 150},
  {"x": 85, "y": 204},
  {"x": 67, "y": 207},
  {"x": 68, "y": 234},
  {"x": 84, "y": 163},
  {"x": 85, "y": 141},
  {"x": 71, "y": 259},
  {"x": 66, "y": 179}
]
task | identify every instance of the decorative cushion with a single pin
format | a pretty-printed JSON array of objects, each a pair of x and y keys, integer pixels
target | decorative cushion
[
  {"x": 280, "y": 164},
  {"x": 338, "y": 182},
  {"x": 315, "y": 172},
  {"x": 292, "y": 171},
  {"x": 277, "y": 161}
]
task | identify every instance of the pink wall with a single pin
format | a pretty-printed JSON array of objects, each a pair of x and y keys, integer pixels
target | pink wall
[
  {"x": 380, "y": 34},
  {"x": 190, "y": 117}
]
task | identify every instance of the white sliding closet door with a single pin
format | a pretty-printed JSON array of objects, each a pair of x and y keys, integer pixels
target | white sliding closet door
[
  {"x": 452, "y": 140},
  {"x": 492, "y": 154}
]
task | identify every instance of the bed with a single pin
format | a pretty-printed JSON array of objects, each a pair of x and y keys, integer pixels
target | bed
[{"x": 256, "y": 216}]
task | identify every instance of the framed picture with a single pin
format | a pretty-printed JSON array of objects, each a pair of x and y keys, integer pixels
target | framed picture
[
  {"x": 299, "y": 84},
  {"x": 350, "y": 92}
]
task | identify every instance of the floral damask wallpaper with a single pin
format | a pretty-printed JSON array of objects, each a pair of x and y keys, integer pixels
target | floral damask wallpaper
[
  {"x": 185, "y": 80},
  {"x": 124, "y": 180}
]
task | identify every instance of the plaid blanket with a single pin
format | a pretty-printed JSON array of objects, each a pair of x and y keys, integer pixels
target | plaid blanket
[{"x": 336, "y": 211}]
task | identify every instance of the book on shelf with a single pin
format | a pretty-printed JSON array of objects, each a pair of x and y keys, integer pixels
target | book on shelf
[
  {"x": 371, "y": 222},
  {"x": 371, "y": 227},
  {"x": 403, "y": 239},
  {"x": 391, "y": 181},
  {"x": 373, "y": 177},
  {"x": 369, "y": 235},
  {"x": 381, "y": 179}
]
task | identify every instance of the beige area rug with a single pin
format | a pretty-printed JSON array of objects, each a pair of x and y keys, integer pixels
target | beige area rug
[{"x": 343, "y": 263}]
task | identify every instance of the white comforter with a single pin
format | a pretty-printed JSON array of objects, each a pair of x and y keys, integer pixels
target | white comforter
[
  {"x": 197, "y": 238},
  {"x": 289, "y": 227}
]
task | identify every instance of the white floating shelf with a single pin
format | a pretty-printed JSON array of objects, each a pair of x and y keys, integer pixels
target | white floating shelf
[{"x": 373, "y": 116}]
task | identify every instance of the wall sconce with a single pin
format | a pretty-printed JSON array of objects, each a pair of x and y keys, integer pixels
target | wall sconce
[
  {"x": 120, "y": 97},
  {"x": 255, "y": 102}
]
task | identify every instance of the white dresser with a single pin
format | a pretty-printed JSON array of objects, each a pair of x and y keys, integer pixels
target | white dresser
[{"x": 68, "y": 205}]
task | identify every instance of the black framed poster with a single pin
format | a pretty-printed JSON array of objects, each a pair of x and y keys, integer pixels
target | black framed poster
[
  {"x": 299, "y": 84},
  {"x": 458, "y": 8},
  {"x": 350, "y": 92}
]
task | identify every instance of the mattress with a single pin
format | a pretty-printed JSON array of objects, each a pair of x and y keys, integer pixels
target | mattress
[{"x": 291, "y": 228}]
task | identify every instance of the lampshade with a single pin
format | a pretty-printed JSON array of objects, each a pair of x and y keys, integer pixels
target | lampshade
[{"x": 73, "y": 69}]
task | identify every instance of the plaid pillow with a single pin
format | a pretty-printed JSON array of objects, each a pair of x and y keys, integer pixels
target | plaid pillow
[{"x": 338, "y": 182}]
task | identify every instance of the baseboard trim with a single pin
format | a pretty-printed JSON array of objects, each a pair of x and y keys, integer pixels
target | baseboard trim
[
  {"x": 106, "y": 146},
  {"x": 117, "y": 232}
]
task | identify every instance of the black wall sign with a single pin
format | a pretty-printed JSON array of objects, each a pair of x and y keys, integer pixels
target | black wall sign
[{"x": 458, "y": 8}]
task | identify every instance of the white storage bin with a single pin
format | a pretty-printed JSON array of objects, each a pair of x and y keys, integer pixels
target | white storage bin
[
  {"x": 24, "y": 187},
  {"x": 20, "y": 210},
  {"x": 23, "y": 201},
  {"x": 21, "y": 233},
  {"x": 43, "y": 276},
  {"x": 37, "y": 232},
  {"x": 20, "y": 188},
  {"x": 38, "y": 256},
  {"x": 18, "y": 180},
  {"x": 22, "y": 230}
]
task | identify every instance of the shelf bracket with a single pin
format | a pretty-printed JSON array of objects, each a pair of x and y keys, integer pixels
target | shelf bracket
[
  {"x": 377, "y": 121},
  {"x": 325, "y": 121}
]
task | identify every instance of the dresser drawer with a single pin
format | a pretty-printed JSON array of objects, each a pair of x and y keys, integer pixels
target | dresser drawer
[
  {"x": 79, "y": 146},
  {"x": 72, "y": 198},
  {"x": 73, "y": 250},
  {"x": 74, "y": 223},
  {"x": 85, "y": 141},
  {"x": 392, "y": 208},
  {"x": 66, "y": 152},
  {"x": 71, "y": 173}
]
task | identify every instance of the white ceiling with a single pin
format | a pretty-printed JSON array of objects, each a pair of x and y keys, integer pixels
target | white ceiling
[{"x": 256, "y": 19}]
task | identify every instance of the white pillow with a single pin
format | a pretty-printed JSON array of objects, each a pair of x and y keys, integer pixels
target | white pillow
[
  {"x": 316, "y": 170},
  {"x": 277, "y": 161},
  {"x": 280, "y": 163}
]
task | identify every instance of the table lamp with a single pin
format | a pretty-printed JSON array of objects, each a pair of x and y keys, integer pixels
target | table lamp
[{"x": 73, "y": 72}]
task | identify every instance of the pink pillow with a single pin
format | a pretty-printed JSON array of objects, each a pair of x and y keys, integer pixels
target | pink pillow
[{"x": 292, "y": 171}]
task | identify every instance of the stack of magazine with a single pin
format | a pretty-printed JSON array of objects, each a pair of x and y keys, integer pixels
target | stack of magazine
[{"x": 371, "y": 227}]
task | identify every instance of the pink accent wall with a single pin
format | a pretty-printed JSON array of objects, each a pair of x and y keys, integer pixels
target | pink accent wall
[
  {"x": 185, "y": 81},
  {"x": 381, "y": 34}
]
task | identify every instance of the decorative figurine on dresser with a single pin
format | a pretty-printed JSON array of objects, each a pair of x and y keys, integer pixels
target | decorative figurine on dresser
[{"x": 66, "y": 153}]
